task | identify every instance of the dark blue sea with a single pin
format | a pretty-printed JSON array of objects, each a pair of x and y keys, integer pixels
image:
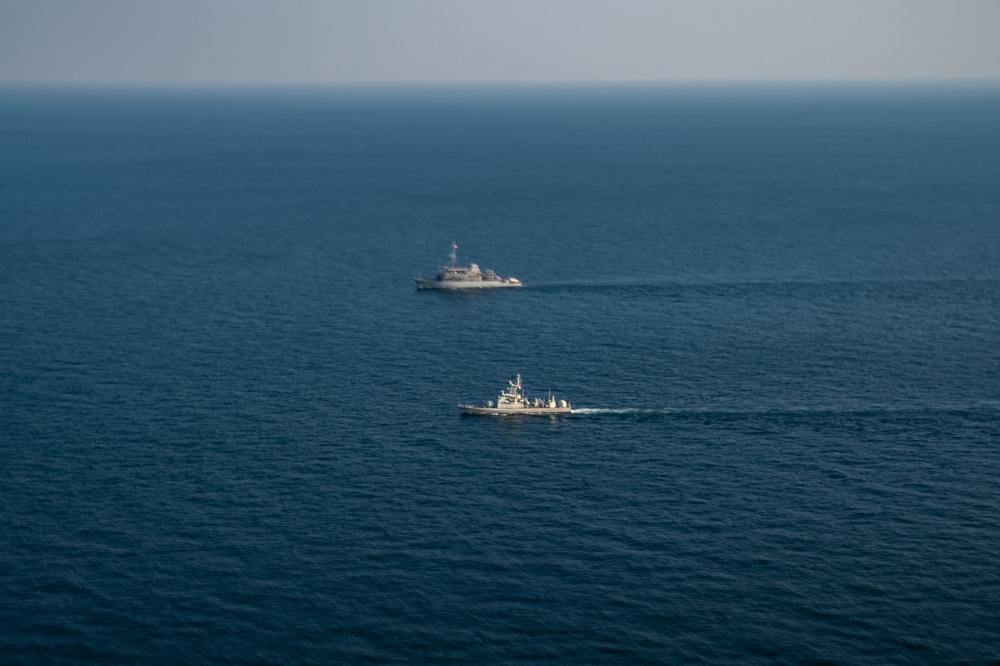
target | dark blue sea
[{"x": 228, "y": 423}]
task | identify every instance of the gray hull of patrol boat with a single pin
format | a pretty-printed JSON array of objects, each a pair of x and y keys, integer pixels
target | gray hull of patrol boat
[
  {"x": 462, "y": 277},
  {"x": 526, "y": 411},
  {"x": 513, "y": 403}
]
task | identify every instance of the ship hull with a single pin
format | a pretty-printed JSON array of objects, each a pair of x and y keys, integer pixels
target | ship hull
[
  {"x": 522, "y": 411},
  {"x": 460, "y": 285}
]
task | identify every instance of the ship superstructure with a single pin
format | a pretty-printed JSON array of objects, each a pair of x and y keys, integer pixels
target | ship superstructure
[
  {"x": 513, "y": 402},
  {"x": 465, "y": 277}
]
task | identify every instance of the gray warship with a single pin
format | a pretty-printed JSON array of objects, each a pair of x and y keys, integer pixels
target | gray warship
[
  {"x": 461, "y": 277},
  {"x": 513, "y": 403}
]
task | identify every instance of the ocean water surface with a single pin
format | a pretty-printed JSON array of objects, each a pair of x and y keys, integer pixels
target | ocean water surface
[{"x": 228, "y": 423}]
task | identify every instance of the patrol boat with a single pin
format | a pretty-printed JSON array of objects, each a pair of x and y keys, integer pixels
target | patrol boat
[
  {"x": 512, "y": 402},
  {"x": 460, "y": 277}
]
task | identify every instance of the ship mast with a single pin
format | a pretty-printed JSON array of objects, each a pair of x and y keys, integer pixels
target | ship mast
[{"x": 452, "y": 258}]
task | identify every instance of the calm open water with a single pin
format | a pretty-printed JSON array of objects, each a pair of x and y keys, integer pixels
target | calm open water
[{"x": 228, "y": 429}]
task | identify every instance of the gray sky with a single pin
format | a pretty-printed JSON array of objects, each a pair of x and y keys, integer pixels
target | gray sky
[{"x": 450, "y": 41}]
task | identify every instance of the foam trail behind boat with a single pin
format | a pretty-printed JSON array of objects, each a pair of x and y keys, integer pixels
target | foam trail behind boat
[{"x": 619, "y": 410}]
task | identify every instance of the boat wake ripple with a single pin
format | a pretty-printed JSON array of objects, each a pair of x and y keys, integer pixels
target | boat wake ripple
[
  {"x": 987, "y": 407},
  {"x": 622, "y": 410}
]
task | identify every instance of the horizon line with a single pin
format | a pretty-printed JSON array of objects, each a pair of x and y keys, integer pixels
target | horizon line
[{"x": 894, "y": 82}]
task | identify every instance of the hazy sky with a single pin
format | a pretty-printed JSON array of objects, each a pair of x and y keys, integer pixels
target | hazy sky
[{"x": 337, "y": 41}]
